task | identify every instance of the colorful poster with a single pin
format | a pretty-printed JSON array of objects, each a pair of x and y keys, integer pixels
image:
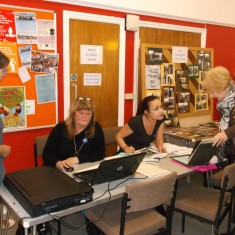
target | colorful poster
[
  {"x": 46, "y": 34},
  {"x": 12, "y": 107},
  {"x": 44, "y": 62},
  {"x": 10, "y": 49},
  {"x": 7, "y": 26},
  {"x": 26, "y": 28}
]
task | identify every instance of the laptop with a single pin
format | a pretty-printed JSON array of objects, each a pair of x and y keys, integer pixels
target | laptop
[
  {"x": 202, "y": 153},
  {"x": 111, "y": 170}
]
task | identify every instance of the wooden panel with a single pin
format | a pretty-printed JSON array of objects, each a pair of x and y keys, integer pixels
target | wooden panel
[
  {"x": 166, "y": 37},
  {"x": 105, "y": 96}
]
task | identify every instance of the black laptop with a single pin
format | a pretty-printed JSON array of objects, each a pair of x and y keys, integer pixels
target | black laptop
[
  {"x": 111, "y": 170},
  {"x": 202, "y": 153}
]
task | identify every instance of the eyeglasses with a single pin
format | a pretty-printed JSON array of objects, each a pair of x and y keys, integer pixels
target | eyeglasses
[
  {"x": 5, "y": 70},
  {"x": 84, "y": 98}
]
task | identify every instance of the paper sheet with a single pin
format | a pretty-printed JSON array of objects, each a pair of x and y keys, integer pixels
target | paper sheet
[{"x": 151, "y": 170}]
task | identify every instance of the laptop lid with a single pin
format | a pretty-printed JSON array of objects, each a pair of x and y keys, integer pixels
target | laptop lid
[
  {"x": 201, "y": 154},
  {"x": 116, "y": 168}
]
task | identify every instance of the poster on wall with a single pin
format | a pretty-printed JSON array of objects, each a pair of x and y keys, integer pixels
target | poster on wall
[
  {"x": 7, "y": 26},
  {"x": 12, "y": 107},
  {"x": 26, "y": 29},
  {"x": 46, "y": 34}
]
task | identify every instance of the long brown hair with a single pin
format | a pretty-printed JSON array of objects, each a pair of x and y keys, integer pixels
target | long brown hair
[{"x": 81, "y": 103}]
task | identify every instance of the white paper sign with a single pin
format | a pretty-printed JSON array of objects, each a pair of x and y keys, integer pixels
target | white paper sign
[
  {"x": 92, "y": 79},
  {"x": 91, "y": 54},
  {"x": 179, "y": 54}
]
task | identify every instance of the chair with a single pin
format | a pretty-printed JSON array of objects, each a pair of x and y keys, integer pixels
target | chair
[
  {"x": 135, "y": 213},
  {"x": 208, "y": 204},
  {"x": 39, "y": 144},
  {"x": 110, "y": 141}
]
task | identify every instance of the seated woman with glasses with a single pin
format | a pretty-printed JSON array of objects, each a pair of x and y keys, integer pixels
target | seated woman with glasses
[{"x": 78, "y": 139}]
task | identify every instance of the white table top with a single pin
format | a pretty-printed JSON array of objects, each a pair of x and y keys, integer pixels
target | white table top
[{"x": 28, "y": 221}]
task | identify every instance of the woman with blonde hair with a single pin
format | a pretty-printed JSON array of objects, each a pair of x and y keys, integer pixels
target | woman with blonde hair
[
  {"x": 78, "y": 139},
  {"x": 220, "y": 86}
]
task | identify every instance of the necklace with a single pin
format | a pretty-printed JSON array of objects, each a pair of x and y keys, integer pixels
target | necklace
[{"x": 84, "y": 141}]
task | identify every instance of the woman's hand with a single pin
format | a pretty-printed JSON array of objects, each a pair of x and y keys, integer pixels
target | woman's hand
[
  {"x": 162, "y": 149},
  {"x": 5, "y": 150},
  {"x": 220, "y": 139},
  {"x": 69, "y": 162},
  {"x": 129, "y": 149}
]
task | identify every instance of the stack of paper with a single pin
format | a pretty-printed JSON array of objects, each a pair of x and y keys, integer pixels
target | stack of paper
[{"x": 151, "y": 170}]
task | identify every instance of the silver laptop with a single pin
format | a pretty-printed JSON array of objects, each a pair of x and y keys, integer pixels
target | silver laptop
[
  {"x": 111, "y": 170},
  {"x": 202, "y": 153}
]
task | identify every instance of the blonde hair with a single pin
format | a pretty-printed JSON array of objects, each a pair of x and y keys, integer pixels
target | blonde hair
[
  {"x": 217, "y": 79},
  {"x": 81, "y": 103}
]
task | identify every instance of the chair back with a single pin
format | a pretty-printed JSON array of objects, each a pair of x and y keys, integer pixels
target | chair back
[
  {"x": 150, "y": 193},
  {"x": 39, "y": 145},
  {"x": 230, "y": 172},
  {"x": 109, "y": 134}
]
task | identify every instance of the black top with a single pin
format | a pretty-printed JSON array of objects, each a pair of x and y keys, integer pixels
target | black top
[
  {"x": 59, "y": 147},
  {"x": 139, "y": 138}
]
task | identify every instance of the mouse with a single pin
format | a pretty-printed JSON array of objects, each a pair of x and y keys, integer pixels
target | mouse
[{"x": 69, "y": 169}]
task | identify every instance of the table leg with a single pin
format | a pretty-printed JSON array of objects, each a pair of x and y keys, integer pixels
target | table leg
[{"x": 7, "y": 221}]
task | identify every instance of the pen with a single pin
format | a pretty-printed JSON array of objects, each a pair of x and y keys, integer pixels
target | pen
[{"x": 158, "y": 158}]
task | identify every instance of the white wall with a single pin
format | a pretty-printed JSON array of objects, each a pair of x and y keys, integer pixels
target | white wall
[{"x": 204, "y": 11}]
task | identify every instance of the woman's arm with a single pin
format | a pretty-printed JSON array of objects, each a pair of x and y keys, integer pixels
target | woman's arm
[
  {"x": 124, "y": 132},
  {"x": 159, "y": 139},
  {"x": 50, "y": 155}
]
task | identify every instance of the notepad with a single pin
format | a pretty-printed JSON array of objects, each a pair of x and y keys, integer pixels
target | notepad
[{"x": 151, "y": 170}]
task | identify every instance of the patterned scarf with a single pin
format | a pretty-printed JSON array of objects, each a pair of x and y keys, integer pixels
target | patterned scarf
[{"x": 225, "y": 106}]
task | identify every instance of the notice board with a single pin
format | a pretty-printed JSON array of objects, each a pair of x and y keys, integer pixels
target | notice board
[
  {"x": 28, "y": 94},
  {"x": 177, "y": 80}
]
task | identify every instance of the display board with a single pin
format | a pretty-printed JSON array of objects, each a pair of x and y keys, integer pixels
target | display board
[
  {"x": 28, "y": 94},
  {"x": 175, "y": 74}
]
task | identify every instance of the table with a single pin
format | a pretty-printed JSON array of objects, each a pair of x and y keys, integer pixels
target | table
[
  {"x": 27, "y": 221},
  {"x": 188, "y": 136}
]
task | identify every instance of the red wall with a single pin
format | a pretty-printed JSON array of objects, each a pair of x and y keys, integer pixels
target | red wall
[{"x": 218, "y": 37}]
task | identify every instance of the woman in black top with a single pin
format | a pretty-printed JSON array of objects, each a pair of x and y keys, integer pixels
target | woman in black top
[
  {"x": 143, "y": 129},
  {"x": 78, "y": 139}
]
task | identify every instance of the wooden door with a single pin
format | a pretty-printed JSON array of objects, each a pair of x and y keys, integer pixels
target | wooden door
[{"x": 104, "y": 96}]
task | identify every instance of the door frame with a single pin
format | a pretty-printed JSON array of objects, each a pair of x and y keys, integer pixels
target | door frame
[{"x": 67, "y": 15}]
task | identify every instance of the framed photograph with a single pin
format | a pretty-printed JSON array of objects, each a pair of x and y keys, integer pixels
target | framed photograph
[
  {"x": 202, "y": 75},
  {"x": 193, "y": 71},
  {"x": 183, "y": 102},
  {"x": 156, "y": 93},
  {"x": 171, "y": 118},
  {"x": 168, "y": 74},
  {"x": 154, "y": 56},
  {"x": 201, "y": 101},
  {"x": 182, "y": 81},
  {"x": 168, "y": 97}
]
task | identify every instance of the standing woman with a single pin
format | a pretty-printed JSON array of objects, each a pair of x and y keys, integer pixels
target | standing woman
[
  {"x": 4, "y": 149},
  {"x": 78, "y": 139},
  {"x": 144, "y": 128},
  {"x": 221, "y": 87}
]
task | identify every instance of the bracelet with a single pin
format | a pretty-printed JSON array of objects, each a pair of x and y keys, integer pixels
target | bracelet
[{"x": 125, "y": 147}]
